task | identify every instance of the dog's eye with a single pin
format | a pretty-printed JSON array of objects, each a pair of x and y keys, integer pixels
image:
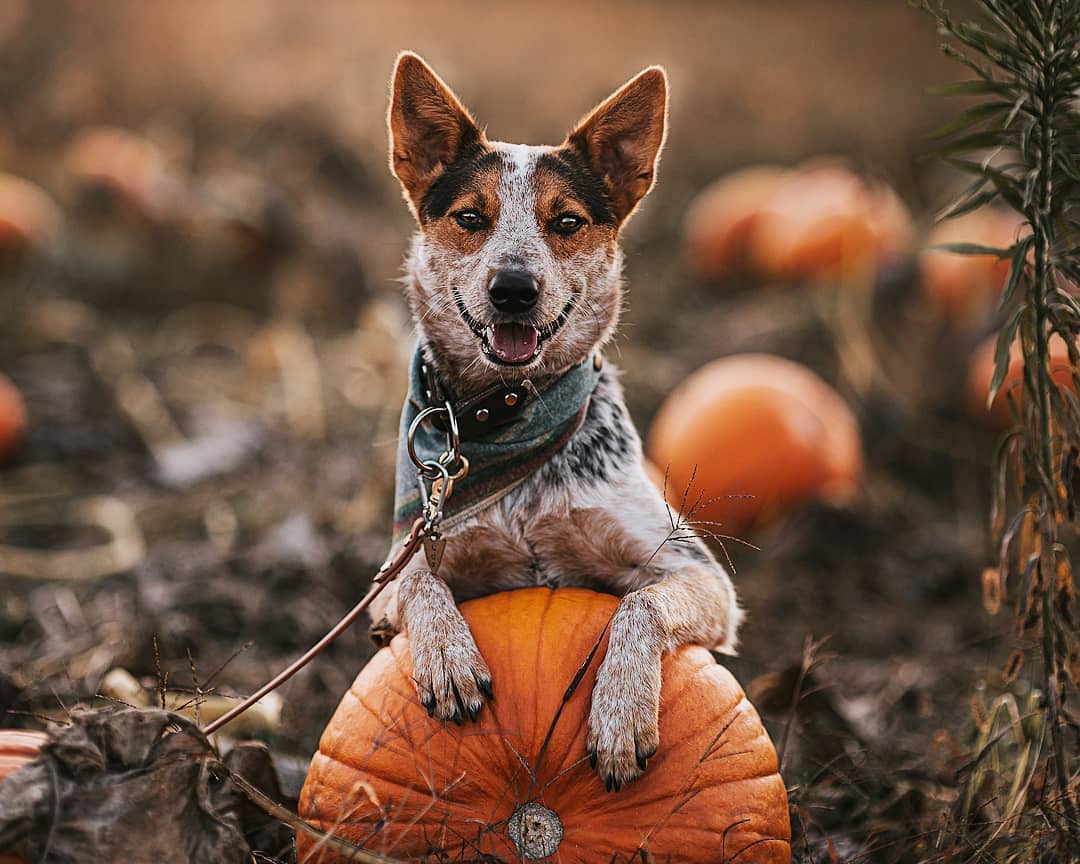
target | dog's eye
[
  {"x": 566, "y": 223},
  {"x": 471, "y": 220}
]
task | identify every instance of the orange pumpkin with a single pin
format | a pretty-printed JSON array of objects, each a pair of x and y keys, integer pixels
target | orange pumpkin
[
  {"x": 517, "y": 784},
  {"x": 825, "y": 220},
  {"x": 721, "y": 219},
  {"x": 820, "y": 219},
  {"x": 891, "y": 224},
  {"x": 966, "y": 286},
  {"x": 757, "y": 434},
  {"x": 12, "y": 417},
  {"x": 981, "y": 372},
  {"x": 17, "y": 747}
]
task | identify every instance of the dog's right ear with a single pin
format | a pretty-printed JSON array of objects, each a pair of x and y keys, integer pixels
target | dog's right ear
[{"x": 429, "y": 127}]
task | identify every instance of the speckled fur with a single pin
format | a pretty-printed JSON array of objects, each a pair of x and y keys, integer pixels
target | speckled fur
[{"x": 590, "y": 517}]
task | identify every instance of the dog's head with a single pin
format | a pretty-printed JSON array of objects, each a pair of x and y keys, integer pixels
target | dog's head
[{"x": 515, "y": 271}]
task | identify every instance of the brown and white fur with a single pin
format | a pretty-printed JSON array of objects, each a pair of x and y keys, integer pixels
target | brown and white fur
[{"x": 590, "y": 517}]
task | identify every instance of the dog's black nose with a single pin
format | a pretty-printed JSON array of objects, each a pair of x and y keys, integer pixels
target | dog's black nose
[{"x": 513, "y": 291}]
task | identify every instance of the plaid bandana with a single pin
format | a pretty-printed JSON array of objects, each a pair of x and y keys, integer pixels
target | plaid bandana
[{"x": 500, "y": 458}]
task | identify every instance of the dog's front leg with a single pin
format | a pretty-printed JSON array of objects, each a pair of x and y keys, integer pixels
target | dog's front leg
[
  {"x": 451, "y": 677},
  {"x": 692, "y": 603}
]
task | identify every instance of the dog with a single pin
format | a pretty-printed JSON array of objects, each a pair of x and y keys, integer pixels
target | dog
[{"x": 514, "y": 281}]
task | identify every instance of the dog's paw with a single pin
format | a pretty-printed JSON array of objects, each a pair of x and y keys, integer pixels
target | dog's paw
[
  {"x": 452, "y": 679},
  {"x": 624, "y": 719}
]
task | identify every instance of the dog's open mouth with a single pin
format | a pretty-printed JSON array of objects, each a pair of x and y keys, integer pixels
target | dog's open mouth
[{"x": 513, "y": 343}]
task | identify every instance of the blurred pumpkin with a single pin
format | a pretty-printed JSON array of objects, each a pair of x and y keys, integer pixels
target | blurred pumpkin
[
  {"x": 755, "y": 434},
  {"x": 28, "y": 216},
  {"x": 981, "y": 372},
  {"x": 719, "y": 222},
  {"x": 12, "y": 417},
  {"x": 825, "y": 220},
  {"x": 966, "y": 286},
  {"x": 891, "y": 224},
  {"x": 516, "y": 784},
  {"x": 17, "y": 748}
]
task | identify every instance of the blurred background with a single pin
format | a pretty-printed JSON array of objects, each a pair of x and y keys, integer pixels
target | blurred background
[{"x": 202, "y": 344}]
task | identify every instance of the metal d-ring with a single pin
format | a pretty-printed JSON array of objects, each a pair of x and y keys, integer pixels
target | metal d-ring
[
  {"x": 453, "y": 440},
  {"x": 463, "y": 469}
]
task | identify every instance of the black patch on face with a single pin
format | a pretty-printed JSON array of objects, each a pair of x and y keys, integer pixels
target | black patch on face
[
  {"x": 455, "y": 180},
  {"x": 584, "y": 182}
]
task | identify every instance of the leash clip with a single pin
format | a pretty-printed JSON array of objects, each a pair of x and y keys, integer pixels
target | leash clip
[{"x": 437, "y": 472}]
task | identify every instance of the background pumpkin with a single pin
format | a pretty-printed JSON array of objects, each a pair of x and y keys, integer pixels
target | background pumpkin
[
  {"x": 388, "y": 777},
  {"x": 757, "y": 433},
  {"x": 968, "y": 287},
  {"x": 17, "y": 747},
  {"x": 981, "y": 372},
  {"x": 12, "y": 417},
  {"x": 826, "y": 220},
  {"x": 720, "y": 221},
  {"x": 820, "y": 218}
]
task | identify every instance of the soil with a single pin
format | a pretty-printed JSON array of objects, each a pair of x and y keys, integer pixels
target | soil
[{"x": 220, "y": 368}]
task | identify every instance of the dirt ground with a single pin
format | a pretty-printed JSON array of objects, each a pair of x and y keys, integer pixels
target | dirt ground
[{"x": 221, "y": 371}]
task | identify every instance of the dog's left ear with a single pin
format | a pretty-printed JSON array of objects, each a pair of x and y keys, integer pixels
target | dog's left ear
[{"x": 621, "y": 138}]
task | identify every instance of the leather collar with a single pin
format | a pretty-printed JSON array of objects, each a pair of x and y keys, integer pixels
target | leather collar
[{"x": 491, "y": 408}]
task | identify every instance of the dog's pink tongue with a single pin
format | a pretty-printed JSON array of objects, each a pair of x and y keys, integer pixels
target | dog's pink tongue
[{"x": 514, "y": 343}]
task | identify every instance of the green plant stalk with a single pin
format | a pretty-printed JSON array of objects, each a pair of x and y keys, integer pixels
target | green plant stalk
[
  {"x": 1033, "y": 45},
  {"x": 1043, "y": 382}
]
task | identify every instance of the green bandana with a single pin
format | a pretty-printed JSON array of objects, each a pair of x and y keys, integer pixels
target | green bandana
[{"x": 499, "y": 458}]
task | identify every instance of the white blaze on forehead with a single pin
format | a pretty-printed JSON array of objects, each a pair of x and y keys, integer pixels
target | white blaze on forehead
[
  {"x": 517, "y": 233},
  {"x": 521, "y": 156}
]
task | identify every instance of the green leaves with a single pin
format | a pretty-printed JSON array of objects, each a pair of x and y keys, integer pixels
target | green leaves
[
  {"x": 1021, "y": 143},
  {"x": 981, "y": 87},
  {"x": 1016, "y": 270},
  {"x": 975, "y": 116},
  {"x": 972, "y": 249},
  {"x": 1067, "y": 164},
  {"x": 1002, "y": 352},
  {"x": 977, "y": 141}
]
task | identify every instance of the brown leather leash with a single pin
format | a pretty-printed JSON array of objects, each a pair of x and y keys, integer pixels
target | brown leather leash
[
  {"x": 386, "y": 574},
  {"x": 436, "y": 484}
]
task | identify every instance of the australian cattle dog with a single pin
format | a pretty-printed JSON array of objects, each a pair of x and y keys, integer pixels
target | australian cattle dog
[{"x": 514, "y": 280}]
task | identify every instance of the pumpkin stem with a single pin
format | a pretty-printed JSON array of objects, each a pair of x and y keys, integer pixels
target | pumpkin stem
[{"x": 535, "y": 830}]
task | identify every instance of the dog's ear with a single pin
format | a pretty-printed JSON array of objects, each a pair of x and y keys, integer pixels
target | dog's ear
[
  {"x": 621, "y": 138},
  {"x": 429, "y": 127}
]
